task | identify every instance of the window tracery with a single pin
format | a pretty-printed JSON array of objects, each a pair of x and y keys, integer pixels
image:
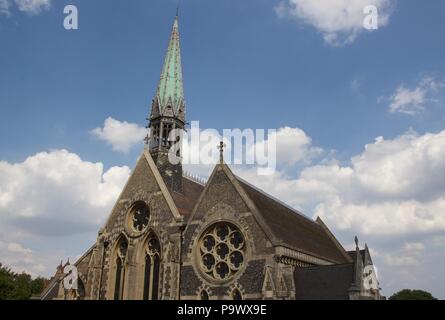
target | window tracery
[
  {"x": 121, "y": 255},
  {"x": 139, "y": 216},
  {"x": 221, "y": 251},
  {"x": 152, "y": 268}
]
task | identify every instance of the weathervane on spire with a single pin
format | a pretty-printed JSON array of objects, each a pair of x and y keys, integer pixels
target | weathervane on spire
[{"x": 221, "y": 147}]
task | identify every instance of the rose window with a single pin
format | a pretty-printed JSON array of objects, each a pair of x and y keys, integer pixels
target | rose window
[
  {"x": 140, "y": 215},
  {"x": 221, "y": 251}
]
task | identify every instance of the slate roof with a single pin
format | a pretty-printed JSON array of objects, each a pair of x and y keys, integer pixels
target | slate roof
[
  {"x": 186, "y": 201},
  {"x": 366, "y": 257},
  {"x": 292, "y": 227},
  {"x": 51, "y": 291},
  {"x": 353, "y": 254},
  {"x": 288, "y": 225},
  {"x": 324, "y": 282}
]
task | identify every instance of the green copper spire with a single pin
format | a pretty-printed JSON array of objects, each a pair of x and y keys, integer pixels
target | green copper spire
[
  {"x": 169, "y": 100},
  {"x": 167, "y": 119}
]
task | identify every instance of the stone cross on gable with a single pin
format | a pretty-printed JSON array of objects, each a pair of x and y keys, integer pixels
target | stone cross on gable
[{"x": 221, "y": 147}]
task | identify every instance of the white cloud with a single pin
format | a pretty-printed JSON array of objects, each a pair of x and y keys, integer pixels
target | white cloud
[
  {"x": 439, "y": 240},
  {"x": 394, "y": 187},
  {"x": 339, "y": 21},
  {"x": 392, "y": 195},
  {"x": 386, "y": 218},
  {"x": 294, "y": 146},
  {"x": 413, "y": 101},
  {"x": 408, "y": 256},
  {"x": 57, "y": 193},
  {"x": 400, "y": 261},
  {"x": 51, "y": 206},
  {"x": 122, "y": 136},
  {"x": 33, "y": 7},
  {"x": 16, "y": 247},
  {"x": 414, "y": 247},
  {"x": 356, "y": 84},
  {"x": 4, "y": 7},
  {"x": 19, "y": 258}
]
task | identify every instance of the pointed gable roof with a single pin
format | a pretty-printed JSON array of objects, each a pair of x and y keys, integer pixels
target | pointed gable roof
[
  {"x": 283, "y": 225},
  {"x": 185, "y": 201}
]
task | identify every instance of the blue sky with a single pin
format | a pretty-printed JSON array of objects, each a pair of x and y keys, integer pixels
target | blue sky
[{"x": 245, "y": 66}]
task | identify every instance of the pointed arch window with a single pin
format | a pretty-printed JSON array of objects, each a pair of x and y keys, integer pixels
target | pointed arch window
[
  {"x": 236, "y": 295},
  {"x": 152, "y": 268},
  {"x": 80, "y": 290},
  {"x": 155, "y": 132},
  {"x": 204, "y": 295},
  {"x": 121, "y": 256}
]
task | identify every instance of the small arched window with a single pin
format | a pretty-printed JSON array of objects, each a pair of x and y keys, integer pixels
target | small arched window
[
  {"x": 152, "y": 268},
  {"x": 121, "y": 255},
  {"x": 204, "y": 295},
  {"x": 80, "y": 290},
  {"x": 236, "y": 295}
]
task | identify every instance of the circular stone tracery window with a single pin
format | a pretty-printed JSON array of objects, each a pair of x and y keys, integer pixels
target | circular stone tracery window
[
  {"x": 221, "y": 251},
  {"x": 139, "y": 216}
]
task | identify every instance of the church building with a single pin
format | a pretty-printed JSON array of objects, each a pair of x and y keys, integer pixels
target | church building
[{"x": 173, "y": 237}]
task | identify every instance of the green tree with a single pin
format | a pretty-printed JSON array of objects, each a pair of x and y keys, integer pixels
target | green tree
[
  {"x": 18, "y": 286},
  {"x": 37, "y": 285},
  {"x": 6, "y": 282},
  {"x": 407, "y": 294}
]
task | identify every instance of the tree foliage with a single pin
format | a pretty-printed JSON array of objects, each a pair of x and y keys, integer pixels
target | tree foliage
[
  {"x": 407, "y": 294},
  {"x": 18, "y": 286}
]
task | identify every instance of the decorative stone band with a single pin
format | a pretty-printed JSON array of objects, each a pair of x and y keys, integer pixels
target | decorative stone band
[
  {"x": 283, "y": 253},
  {"x": 291, "y": 262}
]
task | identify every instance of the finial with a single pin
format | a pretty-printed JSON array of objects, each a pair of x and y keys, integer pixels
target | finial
[
  {"x": 177, "y": 9},
  {"x": 356, "y": 241},
  {"x": 221, "y": 147}
]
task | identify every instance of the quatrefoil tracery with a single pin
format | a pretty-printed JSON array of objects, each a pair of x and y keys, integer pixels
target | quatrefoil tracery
[
  {"x": 222, "y": 249},
  {"x": 140, "y": 216}
]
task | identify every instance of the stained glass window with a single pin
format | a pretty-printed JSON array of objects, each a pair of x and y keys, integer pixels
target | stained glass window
[
  {"x": 204, "y": 295},
  {"x": 121, "y": 255},
  {"x": 222, "y": 249},
  {"x": 236, "y": 295},
  {"x": 152, "y": 268},
  {"x": 140, "y": 215}
]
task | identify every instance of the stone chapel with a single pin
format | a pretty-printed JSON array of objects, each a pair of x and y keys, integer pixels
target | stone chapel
[{"x": 170, "y": 236}]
